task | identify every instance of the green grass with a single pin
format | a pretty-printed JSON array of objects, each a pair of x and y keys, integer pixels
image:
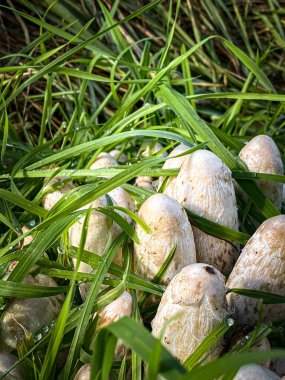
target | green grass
[{"x": 76, "y": 80}]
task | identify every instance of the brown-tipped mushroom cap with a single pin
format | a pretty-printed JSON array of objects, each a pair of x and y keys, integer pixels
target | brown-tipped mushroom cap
[
  {"x": 204, "y": 186},
  {"x": 83, "y": 373},
  {"x": 192, "y": 305},
  {"x": 7, "y": 360},
  {"x": 169, "y": 227},
  {"x": 262, "y": 155},
  {"x": 261, "y": 266},
  {"x": 255, "y": 372}
]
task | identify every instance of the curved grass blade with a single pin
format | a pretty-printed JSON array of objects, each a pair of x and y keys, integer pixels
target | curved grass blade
[
  {"x": 266, "y": 297},
  {"x": 139, "y": 339},
  {"x": 13, "y": 289}
]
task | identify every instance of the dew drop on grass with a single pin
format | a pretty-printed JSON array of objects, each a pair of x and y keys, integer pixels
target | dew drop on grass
[
  {"x": 60, "y": 251},
  {"x": 32, "y": 223},
  {"x": 230, "y": 322},
  {"x": 45, "y": 329},
  {"x": 38, "y": 337}
]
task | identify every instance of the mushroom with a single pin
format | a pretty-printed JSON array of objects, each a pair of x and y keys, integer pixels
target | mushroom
[
  {"x": 261, "y": 266},
  {"x": 50, "y": 199},
  {"x": 173, "y": 163},
  {"x": 104, "y": 160},
  {"x": 83, "y": 373},
  {"x": 146, "y": 181},
  {"x": 262, "y": 155},
  {"x": 118, "y": 156},
  {"x": 121, "y": 307},
  {"x": 169, "y": 228},
  {"x": 27, "y": 315},
  {"x": 204, "y": 186},
  {"x": 99, "y": 232},
  {"x": 7, "y": 360},
  {"x": 254, "y": 372},
  {"x": 191, "y": 307}
]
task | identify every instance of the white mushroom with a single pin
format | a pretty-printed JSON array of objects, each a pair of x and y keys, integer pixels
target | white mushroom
[
  {"x": 50, "y": 199},
  {"x": 204, "y": 186},
  {"x": 254, "y": 372},
  {"x": 121, "y": 307},
  {"x": 99, "y": 232},
  {"x": 83, "y": 373},
  {"x": 169, "y": 227},
  {"x": 120, "y": 157},
  {"x": 262, "y": 155},
  {"x": 146, "y": 181},
  {"x": 261, "y": 266},
  {"x": 192, "y": 305},
  {"x": 122, "y": 198},
  {"x": 7, "y": 360},
  {"x": 104, "y": 160},
  {"x": 27, "y": 314},
  {"x": 173, "y": 163}
]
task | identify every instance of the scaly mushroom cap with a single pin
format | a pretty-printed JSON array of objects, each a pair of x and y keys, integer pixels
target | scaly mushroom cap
[
  {"x": 27, "y": 315},
  {"x": 169, "y": 227},
  {"x": 173, "y": 163},
  {"x": 262, "y": 155},
  {"x": 50, "y": 199},
  {"x": 204, "y": 186},
  {"x": 6, "y": 362},
  {"x": 255, "y": 372},
  {"x": 83, "y": 373},
  {"x": 261, "y": 266},
  {"x": 192, "y": 305}
]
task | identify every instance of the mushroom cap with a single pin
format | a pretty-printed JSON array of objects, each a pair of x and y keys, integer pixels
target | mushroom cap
[
  {"x": 150, "y": 149},
  {"x": 26, "y": 315},
  {"x": 169, "y": 227},
  {"x": 104, "y": 160},
  {"x": 50, "y": 199},
  {"x": 117, "y": 155},
  {"x": 192, "y": 305},
  {"x": 204, "y": 186},
  {"x": 99, "y": 228},
  {"x": 262, "y": 155},
  {"x": 83, "y": 373},
  {"x": 173, "y": 163},
  {"x": 121, "y": 307},
  {"x": 260, "y": 266},
  {"x": 254, "y": 372},
  {"x": 7, "y": 360}
]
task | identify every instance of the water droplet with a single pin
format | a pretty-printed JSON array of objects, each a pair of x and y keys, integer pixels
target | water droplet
[
  {"x": 2, "y": 307},
  {"x": 147, "y": 104},
  {"x": 83, "y": 279},
  {"x": 143, "y": 196},
  {"x": 60, "y": 251},
  {"x": 11, "y": 247},
  {"x": 38, "y": 337},
  {"x": 196, "y": 117},
  {"x": 247, "y": 337},
  {"x": 32, "y": 223},
  {"x": 45, "y": 329},
  {"x": 230, "y": 322}
]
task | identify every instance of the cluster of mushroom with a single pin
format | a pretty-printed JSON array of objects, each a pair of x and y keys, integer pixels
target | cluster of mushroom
[{"x": 195, "y": 300}]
